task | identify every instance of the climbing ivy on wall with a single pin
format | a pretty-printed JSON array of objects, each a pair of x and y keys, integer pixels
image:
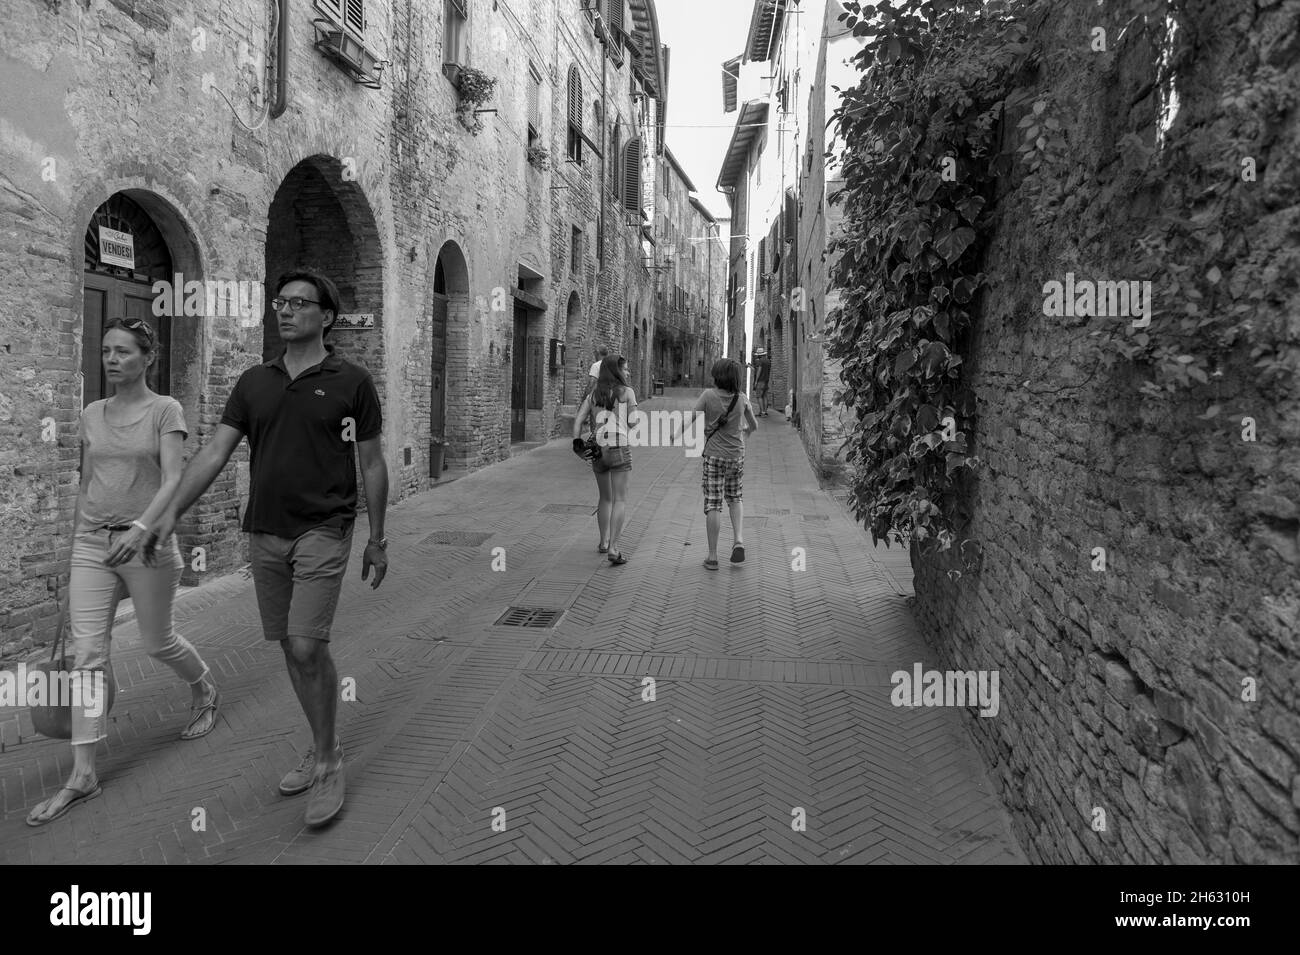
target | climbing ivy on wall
[
  {"x": 919, "y": 164},
  {"x": 922, "y": 154}
]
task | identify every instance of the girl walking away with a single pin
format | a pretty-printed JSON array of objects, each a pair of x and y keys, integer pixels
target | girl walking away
[
  {"x": 725, "y": 410},
  {"x": 131, "y": 463},
  {"x": 607, "y": 409}
]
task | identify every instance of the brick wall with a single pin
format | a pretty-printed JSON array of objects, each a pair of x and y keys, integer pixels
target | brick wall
[{"x": 1123, "y": 689}]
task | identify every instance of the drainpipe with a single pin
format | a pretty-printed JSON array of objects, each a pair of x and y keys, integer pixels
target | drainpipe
[
  {"x": 604, "y": 148},
  {"x": 281, "y": 59}
]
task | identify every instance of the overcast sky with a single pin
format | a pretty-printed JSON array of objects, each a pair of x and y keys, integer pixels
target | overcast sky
[{"x": 701, "y": 34}]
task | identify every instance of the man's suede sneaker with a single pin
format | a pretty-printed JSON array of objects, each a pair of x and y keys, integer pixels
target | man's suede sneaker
[
  {"x": 298, "y": 779},
  {"x": 326, "y": 794}
]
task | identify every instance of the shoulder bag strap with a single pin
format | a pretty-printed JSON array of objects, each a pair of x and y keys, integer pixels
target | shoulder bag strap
[{"x": 710, "y": 432}]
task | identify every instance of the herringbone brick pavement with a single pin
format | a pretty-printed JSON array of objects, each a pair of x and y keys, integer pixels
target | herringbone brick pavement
[{"x": 671, "y": 714}]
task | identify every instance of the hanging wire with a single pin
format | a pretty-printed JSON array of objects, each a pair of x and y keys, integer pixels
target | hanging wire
[{"x": 266, "y": 97}]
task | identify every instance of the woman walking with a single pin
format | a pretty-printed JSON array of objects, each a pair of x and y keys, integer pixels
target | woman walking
[
  {"x": 725, "y": 408},
  {"x": 608, "y": 409},
  {"x": 131, "y": 463}
]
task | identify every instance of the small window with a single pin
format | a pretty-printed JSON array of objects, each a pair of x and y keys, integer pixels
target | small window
[
  {"x": 455, "y": 18},
  {"x": 575, "y": 257},
  {"x": 534, "y": 105}
]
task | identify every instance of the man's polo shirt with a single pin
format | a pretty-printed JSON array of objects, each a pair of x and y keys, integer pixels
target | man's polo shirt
[{"x": 303, "y": 471}]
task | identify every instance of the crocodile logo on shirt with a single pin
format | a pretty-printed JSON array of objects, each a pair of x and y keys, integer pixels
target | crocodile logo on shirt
[{"x": 319, "y": 392}]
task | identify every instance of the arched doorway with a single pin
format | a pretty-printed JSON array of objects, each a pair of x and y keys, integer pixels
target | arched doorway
[
  {"x": 449, "y": 336},
  {"x": 321, "y": 220},
  {"x": 125, "y": 254},
  {"x": 578, "y": 362}
]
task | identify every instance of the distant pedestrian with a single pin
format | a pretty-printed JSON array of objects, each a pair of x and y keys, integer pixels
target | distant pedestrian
[
  {"x": 308, "y": 415},
  {"x": 763, "y": 379},
  {"x": 608, "y": 409},
  {"x": 601, "y": 354},
  {"x": 725, "y": 411},
  {"x": 131, "y": 463}
]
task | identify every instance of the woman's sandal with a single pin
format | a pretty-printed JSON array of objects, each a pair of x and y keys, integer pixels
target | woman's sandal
[
  {"x": 82, "y": 796},
  {"x": 211, "y": 707},
  {"x": 602, "y": 548},
  {"x": 616, "y": 558},
  {"x": 710, "y": 563},
  {"x": 738, "y": 554}
]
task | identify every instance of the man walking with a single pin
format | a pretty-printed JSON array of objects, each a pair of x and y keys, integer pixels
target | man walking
[
  {"x": 762, "y": 379},
  {"x": 307, "y": 414}
]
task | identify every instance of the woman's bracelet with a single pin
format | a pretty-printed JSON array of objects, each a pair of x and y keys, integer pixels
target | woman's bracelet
[{"x": 141, "y": 526}]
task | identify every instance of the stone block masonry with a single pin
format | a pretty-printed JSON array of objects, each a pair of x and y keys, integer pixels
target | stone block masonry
[{"x": 1160, "y": 688}]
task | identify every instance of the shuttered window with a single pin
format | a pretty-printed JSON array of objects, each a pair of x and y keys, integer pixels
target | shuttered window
[
  {"x": 350, "y": 13},
  {"x": 575, "y": 114},
  {"x": 632, "y": 176},
  {"x": 614, "y": 14},
  {"x": 355, "y": 18},
  {"x": 534, "y": 105},
  {"x": 615, "y": 158}
]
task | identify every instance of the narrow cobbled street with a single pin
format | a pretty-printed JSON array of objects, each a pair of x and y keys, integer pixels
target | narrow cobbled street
[{"x": 771, "y": 696}]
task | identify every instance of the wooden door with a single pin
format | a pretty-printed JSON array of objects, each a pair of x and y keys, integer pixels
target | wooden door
[
  {"x": 438, "y": 369},
  {"x": 519, "y": 375},
  {"x": 107, "y": 298}
]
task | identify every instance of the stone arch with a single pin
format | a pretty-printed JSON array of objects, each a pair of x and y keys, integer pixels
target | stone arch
[
  {"x": 450, "y": 334},
  {"x": 108, "y": 292},
  {"x": 320, "y": 218}
]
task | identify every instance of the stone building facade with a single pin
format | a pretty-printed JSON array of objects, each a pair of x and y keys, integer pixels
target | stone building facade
[
  {"x": 229, "y": 143},
  {"x": 776, "y": 179},
  {"x": 690, "y": 266}
]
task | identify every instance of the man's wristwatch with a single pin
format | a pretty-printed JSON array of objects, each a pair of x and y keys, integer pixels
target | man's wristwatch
[{"x": 382, "y": 543}]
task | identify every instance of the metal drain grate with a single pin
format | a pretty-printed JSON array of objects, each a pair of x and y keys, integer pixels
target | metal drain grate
[
  {"x": 773, "y": 511},
  {"x": 815, "y": 517},
  {"x": 536, "y": 617},
  {"x": 756, "y": 522},
  {"x": 454, "y": 539},
  {"x": 568, "y": 509}
]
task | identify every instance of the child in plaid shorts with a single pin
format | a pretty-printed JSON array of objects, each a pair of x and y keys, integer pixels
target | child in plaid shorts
[{"x": 729, "y": 418}]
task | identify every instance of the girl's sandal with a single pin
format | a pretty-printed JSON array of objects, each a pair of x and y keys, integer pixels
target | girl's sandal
[
  {"x": 616, "y": 558},
  {"x": 201, "y": 712},
  {"x": 710, "y": 563}
]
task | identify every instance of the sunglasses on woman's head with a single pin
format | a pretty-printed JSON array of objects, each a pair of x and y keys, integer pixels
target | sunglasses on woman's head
[{"x": 137, "y": 324}]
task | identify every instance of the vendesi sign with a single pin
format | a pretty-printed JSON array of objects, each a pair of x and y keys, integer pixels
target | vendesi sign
[
  {"x": 116, "y": 248},
  {"x": 354, "y": 321}
]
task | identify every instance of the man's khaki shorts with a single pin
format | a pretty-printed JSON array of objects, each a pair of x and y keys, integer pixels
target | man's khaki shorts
[{"x": 298, "y": 580}]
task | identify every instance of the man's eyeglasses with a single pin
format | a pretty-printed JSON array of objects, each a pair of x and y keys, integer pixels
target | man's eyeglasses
[{"x": 295, "y": 303}]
